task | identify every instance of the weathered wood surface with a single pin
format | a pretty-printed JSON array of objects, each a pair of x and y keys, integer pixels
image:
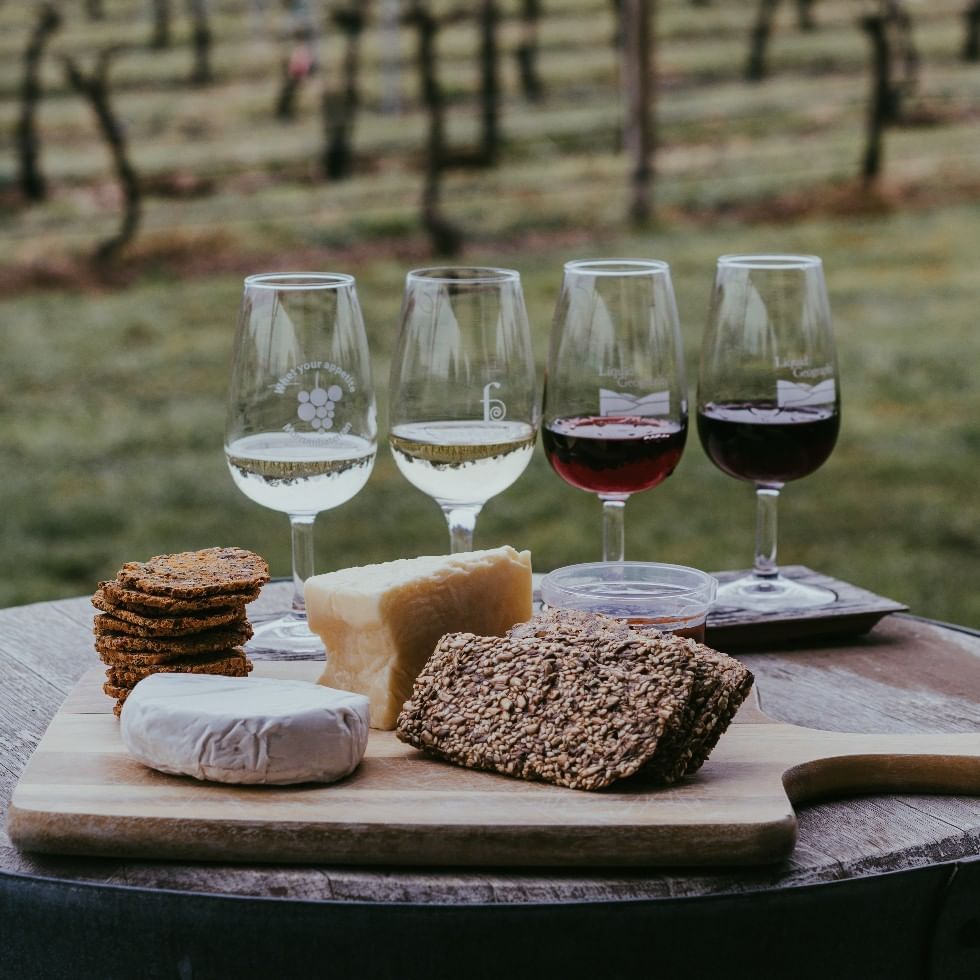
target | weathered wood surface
[
  {"x": 855, "y": 611},
  {"x": 83, "y": 794},
  {"x": 905, "y": 676}
]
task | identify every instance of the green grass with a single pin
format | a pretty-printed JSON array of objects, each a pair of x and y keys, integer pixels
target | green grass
[
  {"x": 114, "y": 407},
  {"x": 112, "y": 399}
]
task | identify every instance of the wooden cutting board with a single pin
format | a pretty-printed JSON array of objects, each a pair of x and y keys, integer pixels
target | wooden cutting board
[{"x": 82, "y": 794}]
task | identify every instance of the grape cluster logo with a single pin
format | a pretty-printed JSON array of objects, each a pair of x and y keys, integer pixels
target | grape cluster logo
[
  {"x": 319, "y": 389},
  {"x": 318, "y": 405}
]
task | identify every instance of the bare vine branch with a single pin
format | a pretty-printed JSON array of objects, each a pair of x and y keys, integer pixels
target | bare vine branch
[{"x": 94, "y": 88}]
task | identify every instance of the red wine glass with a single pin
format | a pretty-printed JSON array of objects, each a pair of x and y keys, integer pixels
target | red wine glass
[
  {"x": 769, "y": 401},
  {"x": 615, "y": 401}
]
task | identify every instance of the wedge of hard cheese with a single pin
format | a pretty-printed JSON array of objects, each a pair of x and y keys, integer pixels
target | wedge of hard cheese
[{"x": 380, "y": 623}]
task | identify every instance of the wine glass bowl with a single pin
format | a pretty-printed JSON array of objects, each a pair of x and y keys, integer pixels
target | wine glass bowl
[
  {"x": 769, "y": 400},
  {"x": 615, "y": 403},
  {"x": 464, "y": 410},
  {"x": 301, "y": 424}
]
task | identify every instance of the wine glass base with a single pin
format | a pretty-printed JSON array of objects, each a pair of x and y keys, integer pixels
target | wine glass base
[
  {"x": 771, "y": 595},
  {"x": 286, "y": 635}
]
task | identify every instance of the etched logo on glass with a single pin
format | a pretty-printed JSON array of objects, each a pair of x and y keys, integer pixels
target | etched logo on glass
[
  {"x": 494, "y": 410},
  {"x": 320, "y": 388},
  {"x": 798, "y": 394},
  {"x": 318, "y": 406},
  {"x": 612, "y": 403}
]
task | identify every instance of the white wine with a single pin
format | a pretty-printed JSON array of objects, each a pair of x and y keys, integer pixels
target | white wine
[
  {"x": 300, "y": 476},
  {"x": 462, "y": 462}
]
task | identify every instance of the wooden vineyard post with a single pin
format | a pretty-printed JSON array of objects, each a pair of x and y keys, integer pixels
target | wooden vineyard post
[
  {"x": 489, "y": 83},
  {"x": 201, "y": 42},
  {"x": 971, "y": 42},
  {"x": 638, "y": 74},
  {"x": 889, "y": 31},
  {"x": 445, "y": 237},
  {"x": 160, "y": 37},
  {"x": 340, "y": 107},
  {"x": 527, "y": 51},
  {"x": 756, "y": 68},
  {"x": 804, "y": 15},
  {"x": 32, "y": 183},
  {"x": 878, "y": 105}
]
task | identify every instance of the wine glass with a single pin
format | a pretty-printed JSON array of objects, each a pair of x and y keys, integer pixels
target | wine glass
[
  {"x": 301, "y": 428},
  {"x": 464, "y": 410},
  {"x": 615, "y": 403},
  {"x": 768, "y": 400}
]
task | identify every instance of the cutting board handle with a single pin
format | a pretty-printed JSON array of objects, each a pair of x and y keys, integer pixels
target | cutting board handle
[{"x": 847, "y": 764}]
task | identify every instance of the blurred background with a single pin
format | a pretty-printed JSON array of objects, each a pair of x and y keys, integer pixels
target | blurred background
[{"x": 156, "y": 151}]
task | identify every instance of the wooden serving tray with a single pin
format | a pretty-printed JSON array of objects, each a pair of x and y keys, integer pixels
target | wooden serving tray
[
  {"x": 82, "y": 794},
  {"x": 856, "y": 611}
]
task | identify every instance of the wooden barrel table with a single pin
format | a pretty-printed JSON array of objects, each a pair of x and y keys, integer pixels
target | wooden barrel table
[{"x": 877, "y": 886}]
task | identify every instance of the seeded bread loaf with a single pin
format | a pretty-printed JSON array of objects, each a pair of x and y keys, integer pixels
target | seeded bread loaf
[{"x": 574, "y": 699}]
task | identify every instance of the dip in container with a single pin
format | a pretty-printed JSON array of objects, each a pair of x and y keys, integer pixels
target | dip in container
[{"x": 648, "y": 595}]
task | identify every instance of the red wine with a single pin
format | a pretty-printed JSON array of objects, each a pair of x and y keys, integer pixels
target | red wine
[
  {"x": 614, "y": 454},
  {"x": 759, "y": 442}
]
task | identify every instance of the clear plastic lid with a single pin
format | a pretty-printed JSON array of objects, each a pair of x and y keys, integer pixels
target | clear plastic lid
[{"x": 631, "y": 589}]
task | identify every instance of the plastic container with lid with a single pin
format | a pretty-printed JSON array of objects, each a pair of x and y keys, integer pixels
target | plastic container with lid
[{"x": 648, "y": 595}]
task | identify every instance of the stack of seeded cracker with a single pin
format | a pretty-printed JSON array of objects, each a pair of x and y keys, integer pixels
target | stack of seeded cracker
[
  {"x": 574, "y": 699},
  {"x": 180, "y": 613}
]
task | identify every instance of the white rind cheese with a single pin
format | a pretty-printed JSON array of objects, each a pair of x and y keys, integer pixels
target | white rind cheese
[
  {"x": 380, "y": 623},
  {"x": 244, "y": 730}
]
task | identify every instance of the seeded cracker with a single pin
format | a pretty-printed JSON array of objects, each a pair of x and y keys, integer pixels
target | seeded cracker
[
  {"x": 114, "y": 595},
  {"x": 624, "y": 651},
  {"x": 721, "y": 684},
  {"x": 181, "y": 613},
  {"x": 111, "y": 643},
  {"x": 544, "y": 709},
  {"x": 115, "y": 620},
  {"x": 461, "y": 712},
  {"x": 119, "y": 658},
  {"x": 195, "y": 574},
  {"x": 232, "y": 663}
]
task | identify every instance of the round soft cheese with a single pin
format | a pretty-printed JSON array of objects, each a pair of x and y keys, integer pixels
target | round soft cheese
[{"x": 245, "y": 730}]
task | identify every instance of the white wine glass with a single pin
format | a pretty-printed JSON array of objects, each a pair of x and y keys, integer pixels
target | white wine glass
[
  {"x": 769, "y": 401},
  {"x": 615, "y": 402},
  {"x": 464, "y": 411},
  {"x": 301, "y": 429}
]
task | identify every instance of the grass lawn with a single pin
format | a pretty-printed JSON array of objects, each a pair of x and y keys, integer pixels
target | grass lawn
[
  {"x": 112, "y": 395},
  {"x": 113, "y": 417}
]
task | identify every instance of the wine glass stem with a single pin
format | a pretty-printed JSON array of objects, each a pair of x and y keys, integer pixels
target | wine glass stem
[
  {"x": 613, "y": 531},
  {"x": 462, "y": 523},
  {"x": 302, "y": 527},
  {"x": 765, "y": 532}
]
